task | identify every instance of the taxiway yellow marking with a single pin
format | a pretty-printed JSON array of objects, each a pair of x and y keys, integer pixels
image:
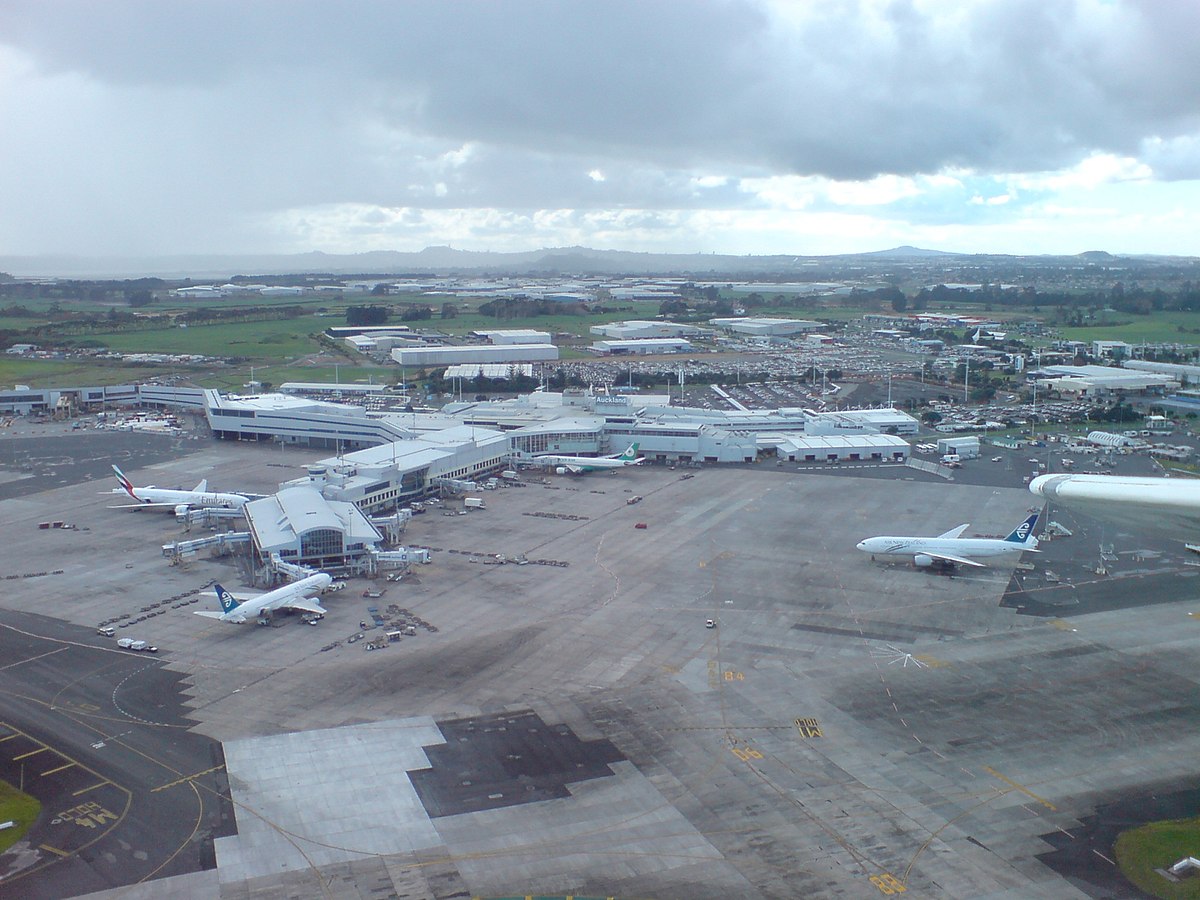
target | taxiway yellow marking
[
  {"x": 59, "y": 769},
  {"x": 9, "y": 738},
  {"x": 92, "y": 788},
  {"x": 53, "y": 850},
  {"x": 185, "y": 779},
  {"x": 31, "y": 753},
  {"x": 1020, "y": 787}
]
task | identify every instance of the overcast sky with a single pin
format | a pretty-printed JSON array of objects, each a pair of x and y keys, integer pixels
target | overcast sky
[{"x": 735, "y": 126}]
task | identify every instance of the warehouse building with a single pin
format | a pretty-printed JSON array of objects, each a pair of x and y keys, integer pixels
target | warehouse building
[
  {"x": 640, "y": 346},
  {"x": 508, "y": 337},
  {"x": 766, "y": 327},
  {"x": 474, "y": 353},
  {"x": 636, "y": 329},
  {"x": 842, "y": 448}
]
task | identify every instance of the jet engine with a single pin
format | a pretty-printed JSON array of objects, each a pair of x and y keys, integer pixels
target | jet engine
[
  {"x": 561, "y": 470},
  {"x": 922, "y": 560}
]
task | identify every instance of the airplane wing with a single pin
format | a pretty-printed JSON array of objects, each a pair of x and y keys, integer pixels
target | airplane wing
[
  {"x": 150, "y": 505},
  {"x": 957, "y": 560},
  {"x": 212, "y": 614},
  {"x": 304, "y": 604},
  {"x": 954, "y": 532}
]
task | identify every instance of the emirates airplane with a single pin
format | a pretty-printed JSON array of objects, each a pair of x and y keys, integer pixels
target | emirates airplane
[{"x": 199, "y": 497}]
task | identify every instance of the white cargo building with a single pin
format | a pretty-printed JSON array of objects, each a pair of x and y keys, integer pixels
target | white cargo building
[
  {"x": 640, "y": 347},
  {"x": 636, "y": 329},
  {"x": 963, "y": 447},
  {"x": 766, "y": 327},
  {"x": 842, "y": 448},
  {"x": 474, "y": 353},
  {"x": 505, "y": 337}
]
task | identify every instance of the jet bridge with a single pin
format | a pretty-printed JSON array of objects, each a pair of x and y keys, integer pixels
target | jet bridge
[
  {"x": 391, "y": 526},
  {"x": 208, "y": 516},
  {"x": 177, "y": 551},
  {"x": 291, "y": 570}
]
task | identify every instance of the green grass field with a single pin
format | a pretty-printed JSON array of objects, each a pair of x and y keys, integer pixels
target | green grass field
[
  {"x": 1158, "y": 846},
  {"x": 1162, "y": 327},
  {"x": 17, "y": 807}
]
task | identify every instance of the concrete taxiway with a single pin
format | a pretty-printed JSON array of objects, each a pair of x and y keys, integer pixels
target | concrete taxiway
[{"x": 847, "y": 728}]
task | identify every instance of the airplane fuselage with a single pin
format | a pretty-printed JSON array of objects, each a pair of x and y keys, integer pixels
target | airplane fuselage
[
  {"x": 272, "y": 600},
  {"x": 970, "y": 548}
]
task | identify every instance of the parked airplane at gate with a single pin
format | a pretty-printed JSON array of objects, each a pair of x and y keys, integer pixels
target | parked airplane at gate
[
  {"x": 299, "y": 595},
  {"x": 200, "y": 497},
  {"x": 578, "y": 465},
  {"x": 1169, "y": 506},
  {"x": 949, "y": 550}
]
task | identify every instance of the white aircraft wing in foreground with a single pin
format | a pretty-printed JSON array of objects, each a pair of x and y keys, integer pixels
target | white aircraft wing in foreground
[{"x": 1167, "y": 505}]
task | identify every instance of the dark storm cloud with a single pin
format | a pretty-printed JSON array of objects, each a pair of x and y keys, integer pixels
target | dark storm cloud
[
  {"x": 847, "y": 90},
  {"x": 222, "y": 109}
]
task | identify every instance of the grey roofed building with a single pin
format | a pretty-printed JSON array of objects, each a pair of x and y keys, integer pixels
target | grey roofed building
[{"x": 303, "y": 527}]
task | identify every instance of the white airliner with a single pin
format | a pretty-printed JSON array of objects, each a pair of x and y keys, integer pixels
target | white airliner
[
  {"x": 578, "y": 465},
  {"x": 297, "y": 596},
  {"x": 1166, "y": 505},
  {"x": 200, "y": 497},
  {"x": 949, "y": 549}
]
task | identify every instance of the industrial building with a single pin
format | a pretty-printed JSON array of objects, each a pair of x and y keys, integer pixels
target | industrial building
[
  {"x": 841, "y": 448},
  {"x": 474, "y": 353},
  {"x": 766, "y": 327},
  {"x": 507, "y": 337},
  {"x": 640, "y": 346},
  {"x": 1102, "y": 381},
  {"x": 636, "y": 329}
]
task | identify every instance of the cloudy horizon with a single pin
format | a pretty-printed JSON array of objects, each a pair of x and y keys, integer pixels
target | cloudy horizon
[{"x": 726, "y": 126}]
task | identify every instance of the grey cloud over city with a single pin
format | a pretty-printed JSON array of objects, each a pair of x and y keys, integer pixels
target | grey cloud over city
[{"x": 142, "y": 127}]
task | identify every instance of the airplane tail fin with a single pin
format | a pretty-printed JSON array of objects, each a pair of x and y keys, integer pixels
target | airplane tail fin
[
  {"x": 228, "y": 602},
  {"x": 125, "y": 483},
  {"x": 1023, "y": 533},
  {"x": 631, "y": 452},
  {"x": 202, "y": 486}
]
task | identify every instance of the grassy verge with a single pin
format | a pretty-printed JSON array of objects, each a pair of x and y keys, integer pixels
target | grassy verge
[
  {"x": 1160, "y": 845},
  {"x": 17, "y": 807}
]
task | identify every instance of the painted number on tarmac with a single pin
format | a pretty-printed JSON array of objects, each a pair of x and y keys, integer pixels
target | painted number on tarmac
[
  {"x": 734, "y": 676},
  {"x": 809, "y": 728},
  {"x": 745, "y": 754},
  {"x": 888, "y": 884},
  {"x": 88, "y": 815}
]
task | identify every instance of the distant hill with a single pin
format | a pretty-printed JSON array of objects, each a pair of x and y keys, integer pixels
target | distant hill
[{"x": 443, "y": 260}]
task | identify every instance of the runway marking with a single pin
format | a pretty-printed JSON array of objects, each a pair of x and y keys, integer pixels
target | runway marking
[
  {"x": 92, "y": 788},
  {"x": 1020, "y": 787},
  {"x": 41, "y": 749},
  {"x": 22, "y": 662},
  {"x": 888, "y": 884},
  {"x": 809, "y": 728},
  {"x": 53, "y": 850},
  {"x": 59, "y": 769},
  {"x": 186, "y": 778}
]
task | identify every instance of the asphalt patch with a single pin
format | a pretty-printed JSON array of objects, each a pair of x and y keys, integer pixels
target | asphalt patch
[
  {"x": 492, "y": 762},
  {"x": 1081, "y": 857}
]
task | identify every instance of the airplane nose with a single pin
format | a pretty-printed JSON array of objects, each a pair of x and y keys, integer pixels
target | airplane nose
[{"x": 861, "y": 545}]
